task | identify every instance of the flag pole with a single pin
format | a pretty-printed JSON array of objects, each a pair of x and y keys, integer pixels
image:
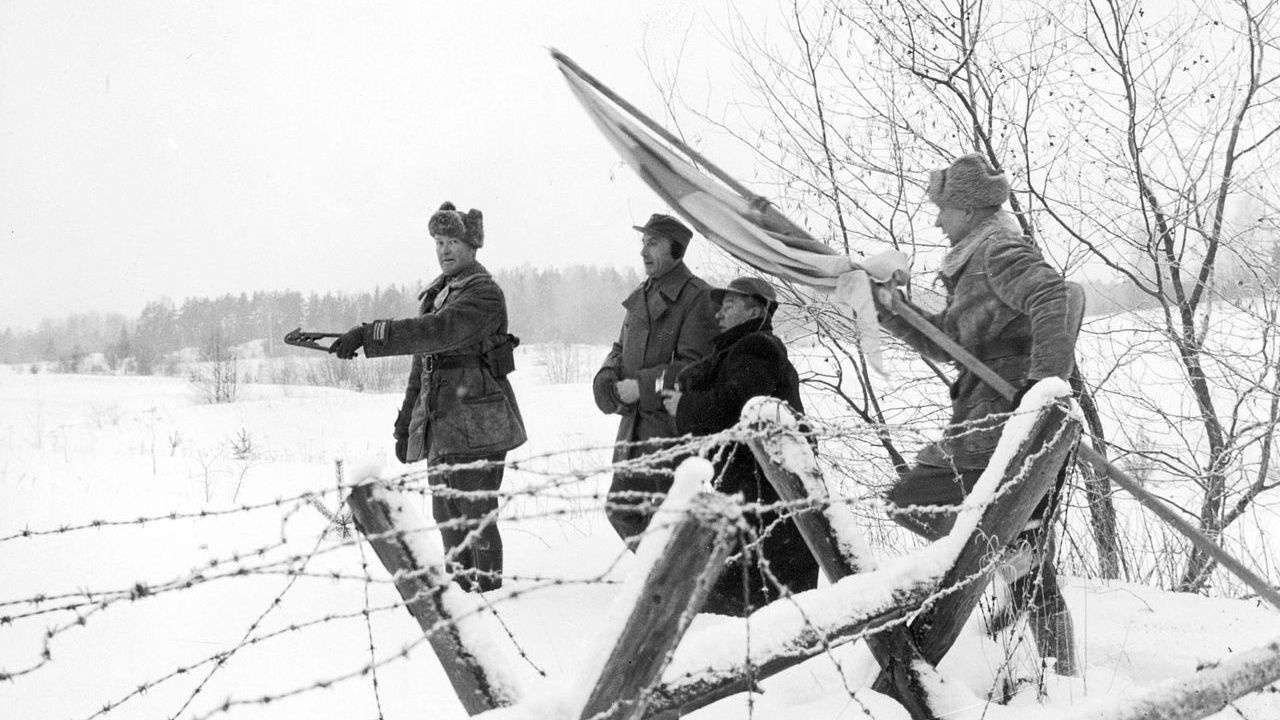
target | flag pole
[{"x": 654, "y": 127}]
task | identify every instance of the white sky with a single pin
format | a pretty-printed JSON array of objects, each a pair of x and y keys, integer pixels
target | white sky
[{"x": 180, "y": 149}]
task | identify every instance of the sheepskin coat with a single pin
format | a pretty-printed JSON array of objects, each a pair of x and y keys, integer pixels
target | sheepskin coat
[{"x": 1008, "y": 307}]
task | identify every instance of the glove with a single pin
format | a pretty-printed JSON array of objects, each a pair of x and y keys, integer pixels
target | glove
[
  {"x": 1022, "y": 391},
  {"x": 346, "y": 346},
  {"x": 402, "y": 448}
]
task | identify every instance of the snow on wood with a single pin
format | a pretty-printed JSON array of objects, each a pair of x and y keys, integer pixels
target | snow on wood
[
  {"x": 479, "y": 657},
  {"x": 690, "y": 477},
  {"x": 713, "y": 663},
  {"x": 1206, "y": 692},
  {"x": 1015, "y": 433},
  {"x": 677, "y": 561},
  {"x": 787, "y": 447}
]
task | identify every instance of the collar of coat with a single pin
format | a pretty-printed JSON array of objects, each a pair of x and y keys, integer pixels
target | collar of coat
[
  {"x": 455, "y": 281},
  {"x": 671, "y": 283},
  {"x": 963, "y": 251},
  {"x": 741, "y": 330}
]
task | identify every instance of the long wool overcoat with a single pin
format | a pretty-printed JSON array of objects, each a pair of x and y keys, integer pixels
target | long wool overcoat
[
  {"x": 454, "y": 404},
  {"x": 663, "y": 332},
  {"x": 1009, "y": 308},
  {"x": 749, "y": 361}
]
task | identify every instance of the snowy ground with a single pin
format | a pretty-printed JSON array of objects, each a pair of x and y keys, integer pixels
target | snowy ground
[{"x": 75, "y": 449}]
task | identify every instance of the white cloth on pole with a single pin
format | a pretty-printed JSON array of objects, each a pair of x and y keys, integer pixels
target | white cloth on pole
[{"x": 853, "y": 295}]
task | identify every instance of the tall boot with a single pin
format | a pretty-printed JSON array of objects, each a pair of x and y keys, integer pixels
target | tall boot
[
  {"x": 1051, "y": 624},
  {"x": 486, "y": 558}
]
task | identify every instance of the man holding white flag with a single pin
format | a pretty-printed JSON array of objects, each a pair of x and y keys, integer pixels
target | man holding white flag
[{"x": 1012, "y": 311}]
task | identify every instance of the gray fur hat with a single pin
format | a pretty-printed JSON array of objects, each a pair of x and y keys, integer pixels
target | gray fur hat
[
  {"x": 970, "y": 182},
  {"x": 469, "y": 228}
]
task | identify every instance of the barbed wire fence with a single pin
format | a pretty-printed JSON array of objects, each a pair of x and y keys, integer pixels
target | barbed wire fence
[{"x": 317, "y": 552}]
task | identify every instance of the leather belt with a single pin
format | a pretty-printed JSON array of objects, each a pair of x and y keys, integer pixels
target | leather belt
[{"x": 443, "y": 362}]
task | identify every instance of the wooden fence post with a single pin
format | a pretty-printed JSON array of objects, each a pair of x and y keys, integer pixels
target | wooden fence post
[
  {"x": 384, "y": 516},
  {"x": 778, "y": 437},
  {"x": 671, "y": 594},
  {"x": 1033, "y": 468}
]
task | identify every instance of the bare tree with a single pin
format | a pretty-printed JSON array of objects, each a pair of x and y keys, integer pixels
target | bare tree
[{"x": 1139, "y": 140}]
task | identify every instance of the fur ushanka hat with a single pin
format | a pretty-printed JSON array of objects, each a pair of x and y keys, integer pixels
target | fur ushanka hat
[
  {"x": 970, "y": 182},
  {"x": 447, "y": 221}
]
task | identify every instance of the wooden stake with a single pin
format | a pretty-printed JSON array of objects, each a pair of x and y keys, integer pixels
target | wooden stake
[
  {"x": 1034, "y": 469},
  {"x": 894, "y": 648},
  {"x": 673, "y": 591},
  {"x": 422, "y": 587}
]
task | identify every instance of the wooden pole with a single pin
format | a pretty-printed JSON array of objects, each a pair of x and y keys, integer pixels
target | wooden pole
[
  {"x": 697, "y": 690},
  {"x": 1033, "y": 468},
  {"x": 672, "y": 593},
  {"x": 771, "y": 218},
  {"x": 1202, "y": 694},
  {"x": 894, "y": 649},
  {"x": 374, "y": 506}
]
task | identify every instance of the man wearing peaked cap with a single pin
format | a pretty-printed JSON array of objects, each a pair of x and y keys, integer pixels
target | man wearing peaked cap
[
  {"x": 661, "y": 225},
  {"x": 669, "y": 324},
  {"x": 748, "y": 287},
  {"x": 748, "y": 361},
  {"x": 1010, "y": 309}
]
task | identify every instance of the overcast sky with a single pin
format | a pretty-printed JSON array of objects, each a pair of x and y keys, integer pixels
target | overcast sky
[{"x": 178, "y": 149}]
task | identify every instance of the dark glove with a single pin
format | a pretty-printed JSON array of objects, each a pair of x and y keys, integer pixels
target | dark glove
[
  {"x": 346, "y": 346},
  {"x": 1022, "y": 391},
  {"x": 402, "y": 448}
]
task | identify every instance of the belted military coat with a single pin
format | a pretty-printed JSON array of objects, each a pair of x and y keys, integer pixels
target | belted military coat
[{"x": 455, "y": 404}]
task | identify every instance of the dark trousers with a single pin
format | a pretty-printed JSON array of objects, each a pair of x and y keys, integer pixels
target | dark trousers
[
  {"x": 469, "y": 523},
  {"x": 633, "y": 497},
  {"x": 925, "y": 485}
]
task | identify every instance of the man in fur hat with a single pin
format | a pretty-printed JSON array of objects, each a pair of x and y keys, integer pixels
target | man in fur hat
[
  {"x": 669, "y": 324},
  {"x": 458, "y": 407},
  {"x": 1009, "y": 308}
]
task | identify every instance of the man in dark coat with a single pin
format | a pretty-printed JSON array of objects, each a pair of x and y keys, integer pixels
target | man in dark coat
[
  {"x": 1009, "y": 308},
  {"x": 748, "y": 361},
  {"x": 669, "y": 324},
  {"x": 458, "y": 406}
]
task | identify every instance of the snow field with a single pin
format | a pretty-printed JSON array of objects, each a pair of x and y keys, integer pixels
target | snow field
[{"x": 78, "y": 448}]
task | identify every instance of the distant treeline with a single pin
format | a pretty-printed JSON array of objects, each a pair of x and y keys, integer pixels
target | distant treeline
[
  {"x": 565, "y": 305},
  {"x": 569, "y": 305}
]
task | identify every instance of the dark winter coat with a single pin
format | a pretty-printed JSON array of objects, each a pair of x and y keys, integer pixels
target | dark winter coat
[
  {"x": 458, "y": 401},
  {"x": 1009, "y": 308},
  {"x": 748, "y": 361},
  {"x": 665, "y": 329}
]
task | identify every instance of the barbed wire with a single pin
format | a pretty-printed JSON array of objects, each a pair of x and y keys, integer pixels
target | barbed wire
[{"x": 552, "y": 486}]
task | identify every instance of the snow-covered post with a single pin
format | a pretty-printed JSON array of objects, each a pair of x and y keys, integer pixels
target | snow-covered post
[
  {"x": 1033, "y": 447},
  {"x": 785, "y": 456},
  {"x": 830, "y": 531},
  {"x": 478, "y": 657},
  {"x": 678, "y": 560}
]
